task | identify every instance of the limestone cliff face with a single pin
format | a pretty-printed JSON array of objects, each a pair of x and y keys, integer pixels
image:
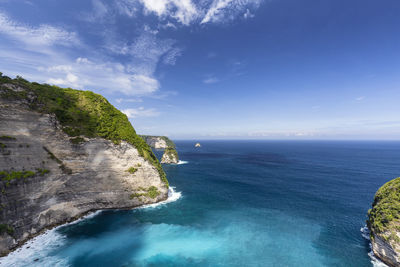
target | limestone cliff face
[
  {"x": 60, "y": 180},
  {"x": 156, "y": 142},
  {"x": 385, "y": 250},
  {"x": 384, "y": 222},
  {"x": 170, "y": 156}
]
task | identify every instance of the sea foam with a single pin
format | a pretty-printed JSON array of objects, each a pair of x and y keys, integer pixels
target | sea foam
[
  {"x": 172, "y": 197},
  {"x": 37, "y": 251},
  {"x": 374, "y": 260}
]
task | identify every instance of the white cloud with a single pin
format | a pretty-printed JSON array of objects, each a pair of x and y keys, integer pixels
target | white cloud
[
  {"x": 171, "y": 57},
  {"x": 43, "y": 35},
  {"x": 248, "y": 14},
  {"x": 146, "y": 52},
  {"x": 187, "y": 12},
  {"x": 210, "y": 80},
  {"x": 360, "y": 98},
  {"x": 129, "y": 100},
  {"x": 184, "y": 11},
  {"x": 140, "y": 112},
  {"x": 102, "y": 75},
  {"x": 225, "y": 10},
  {"x": 215, "y": 11},
  {"x": 35, "y": 55}
]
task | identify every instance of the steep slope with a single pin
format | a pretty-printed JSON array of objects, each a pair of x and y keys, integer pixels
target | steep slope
[
  {"x": 170, "y": 155},
  {"x": 384, "y": 223},
  {"x": 64, "y": 153},
  {"x": 158, "y": 142}
]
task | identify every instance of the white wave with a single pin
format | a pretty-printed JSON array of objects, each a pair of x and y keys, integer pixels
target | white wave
[
  {"x": 172, "y": 196},
  {"x": 365, "y": 232},
  {"x": 182, "y": 162},
  {"x": 374, "y": 260},
  {"x": 40, "y": 247},
  {"x": 35, "y": 252}
]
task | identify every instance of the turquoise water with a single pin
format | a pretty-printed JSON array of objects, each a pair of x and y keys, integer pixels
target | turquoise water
[{"x": 243, "y": 203}]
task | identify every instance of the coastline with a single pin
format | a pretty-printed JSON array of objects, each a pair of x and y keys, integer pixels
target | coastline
[
  {"x": 375, "y": 260},
  {"x": 171, "y": 197}
]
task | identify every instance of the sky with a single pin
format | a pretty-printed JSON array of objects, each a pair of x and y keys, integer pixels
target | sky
[{"x": 219, "y": 69}]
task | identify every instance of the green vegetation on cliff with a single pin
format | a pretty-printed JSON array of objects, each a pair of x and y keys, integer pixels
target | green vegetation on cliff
[
  {"x": 384, "y": 217},
  {"x": 171, "y": 152},
  {"x": 151, "y": 192},
  {"x": 132, "y": 170},
  {"x": 81, "y": 113},
  {"x": 9, "y": 176},
  {"x": 5, "y": 228}
]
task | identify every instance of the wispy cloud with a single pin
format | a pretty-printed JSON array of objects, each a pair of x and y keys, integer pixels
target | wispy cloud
[
  {"x": 140, "y": 112},
  {"x": 226, "y": 10},
  {"x": 35, "y": 54},
  {"x": 186, "y": 12},
  {"x": 129, "y": 100},
  {"x": 43, "y": 35},
  {"x": 360, "y": 98},
  {"x": 210, "y": 80}
]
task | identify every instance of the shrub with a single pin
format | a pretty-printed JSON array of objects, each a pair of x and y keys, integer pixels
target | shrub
[
  {"x": 132, "y": 170},
  {"x": 76, "y": 140},
  {"x": 8, "y": 177},
  {"x": 5, "y": 228},
  {"x": 151, "y": 192},
  {"x": 42, "y": 172}
]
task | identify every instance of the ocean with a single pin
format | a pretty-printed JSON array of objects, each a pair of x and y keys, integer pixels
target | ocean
[{"x": 237, "y": 203}]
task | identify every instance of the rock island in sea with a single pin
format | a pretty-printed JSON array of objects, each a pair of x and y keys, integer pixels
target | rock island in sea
[
  {"x": 64, "y": 153},
  {"x": 170, "y": 155}
]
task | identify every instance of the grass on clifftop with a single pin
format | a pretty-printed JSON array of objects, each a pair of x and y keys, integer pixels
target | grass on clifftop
[
  {"x": 81, "y": 113},
  {"x": 384, "y": 217}
]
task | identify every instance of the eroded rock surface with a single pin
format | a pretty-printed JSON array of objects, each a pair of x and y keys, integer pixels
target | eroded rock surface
[{"x": 70, "y": 179}]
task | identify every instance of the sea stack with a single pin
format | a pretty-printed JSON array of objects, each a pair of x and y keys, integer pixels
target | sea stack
[
  {"x": 170, "y": 156},
  {"x": 197, "y": 145},
  {"x": 384, "y": 223}
]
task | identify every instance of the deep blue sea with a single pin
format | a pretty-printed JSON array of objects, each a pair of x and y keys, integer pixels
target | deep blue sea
[{"x": 243, "y": 203}]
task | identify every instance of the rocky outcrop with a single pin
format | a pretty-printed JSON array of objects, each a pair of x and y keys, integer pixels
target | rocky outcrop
[
  {"x": 170, "y": 156},
  {"x": 158, "y": 142},
  {"x": 48, "y": 177},
  {"x": 384, "y": 223}
]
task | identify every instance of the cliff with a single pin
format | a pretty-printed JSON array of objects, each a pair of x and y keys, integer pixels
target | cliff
[
  {"x": 384, "y": 223},
  {"x": 170, "y": 155},
  {"x": 158, "y": 142},
  {"x": 64, "y": 153}
]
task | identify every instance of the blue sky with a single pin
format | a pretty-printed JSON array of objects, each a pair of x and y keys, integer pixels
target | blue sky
[{"x": 226, "y": 69}]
